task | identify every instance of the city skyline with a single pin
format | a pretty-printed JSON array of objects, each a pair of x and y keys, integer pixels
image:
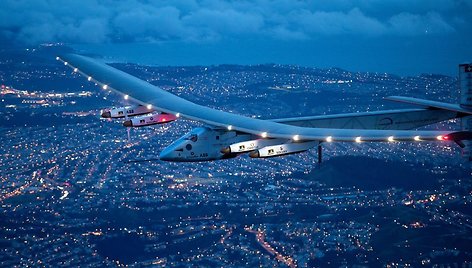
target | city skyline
[
  {"x": 79, "y": 189},
  {"x": 76, "y": 191}
]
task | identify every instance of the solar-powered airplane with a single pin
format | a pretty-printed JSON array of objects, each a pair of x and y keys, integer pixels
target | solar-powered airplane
[{"x": 227, "y": 135}]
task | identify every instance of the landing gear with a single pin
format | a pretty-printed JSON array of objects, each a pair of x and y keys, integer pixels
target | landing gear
[{"x": 320, "y": 153}]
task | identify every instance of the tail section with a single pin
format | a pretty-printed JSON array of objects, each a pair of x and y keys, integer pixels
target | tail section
[
  {"x": 466, "y": 124},
  {"x": 463, "y": 109},
  {"x": 465, "y": 84}
]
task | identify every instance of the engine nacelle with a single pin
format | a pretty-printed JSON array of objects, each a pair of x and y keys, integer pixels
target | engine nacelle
[
  {"x": 282, "y": 149},
  {"x": 148, "y": 120},
  {"x": 251, "y": 145},
  {"x": 121, "y": 112}
]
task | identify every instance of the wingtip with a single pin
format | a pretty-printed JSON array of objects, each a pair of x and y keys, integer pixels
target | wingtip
[
  {"x": 392, "y": 98},
  {"x": 460, "y": 135},
  {"x": 65, "y": 57}
]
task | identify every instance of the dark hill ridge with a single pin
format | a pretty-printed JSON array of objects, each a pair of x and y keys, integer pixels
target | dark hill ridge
[{"x": 369, "y": 173}]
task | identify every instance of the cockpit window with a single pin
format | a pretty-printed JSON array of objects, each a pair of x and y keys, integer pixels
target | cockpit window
[{"x": 192, "y": 137}]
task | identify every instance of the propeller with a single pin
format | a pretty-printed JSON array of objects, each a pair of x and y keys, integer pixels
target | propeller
[{"x": 128, "y": 129}]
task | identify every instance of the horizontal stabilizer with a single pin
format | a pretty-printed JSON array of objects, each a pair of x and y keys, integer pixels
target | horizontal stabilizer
[
  {"x": 431, "y": 104},
  {"x": 460, "y": 136}
]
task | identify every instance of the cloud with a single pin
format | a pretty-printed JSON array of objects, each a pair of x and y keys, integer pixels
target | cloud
[
  {"x": 413, "y": 24},
  {"x": 149, "y": 23},
  {"x": 99, "y": 21},
  {"x": 225, "y": 21},
  {"x": 89, "y": 30},
  {"x": 332, "y": 23}
]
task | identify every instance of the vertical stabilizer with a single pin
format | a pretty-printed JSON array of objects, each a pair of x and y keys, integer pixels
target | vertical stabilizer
[
  {"x": 465, "y": 84},
  {"x": 466, "y": 124}
]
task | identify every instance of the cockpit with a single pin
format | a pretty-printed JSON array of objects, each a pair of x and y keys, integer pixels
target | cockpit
[{"x": 187, "y": 147}]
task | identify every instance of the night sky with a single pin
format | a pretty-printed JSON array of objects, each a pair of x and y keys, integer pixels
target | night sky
[{"x": 397, "y": 36}]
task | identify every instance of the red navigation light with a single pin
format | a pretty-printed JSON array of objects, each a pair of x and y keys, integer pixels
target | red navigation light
[{"x": 442, "y": 138}]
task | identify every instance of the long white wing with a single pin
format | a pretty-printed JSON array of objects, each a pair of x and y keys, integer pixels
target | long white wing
[{"x": 144, "y": 93}]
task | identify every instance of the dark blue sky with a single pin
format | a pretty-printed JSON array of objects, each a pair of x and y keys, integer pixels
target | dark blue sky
[{"x": 397, "y": 36}]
